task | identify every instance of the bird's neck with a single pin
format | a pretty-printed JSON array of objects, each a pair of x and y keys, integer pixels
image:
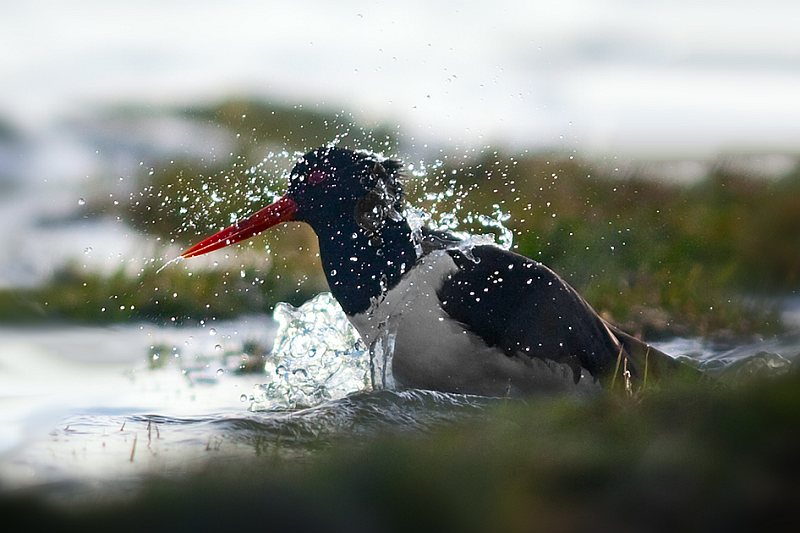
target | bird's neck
[{"x": 360, "y": 266}]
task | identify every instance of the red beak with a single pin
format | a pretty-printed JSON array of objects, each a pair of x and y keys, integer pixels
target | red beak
[{"x": 281, "y": 211}]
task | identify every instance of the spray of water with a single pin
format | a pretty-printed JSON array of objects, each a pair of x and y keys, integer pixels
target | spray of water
[
  {"x": 317, "y": 355},
  {"x": 174, "y": 261}
]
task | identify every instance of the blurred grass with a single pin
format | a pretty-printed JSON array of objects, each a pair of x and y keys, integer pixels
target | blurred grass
[
  {"x": 75, "y": 295},
  {"x": 655, "y": 256},
  {"x": 685, "y": 458},
  {"x": 260, "y": 125},
  {"x": 659, "y": 258}
]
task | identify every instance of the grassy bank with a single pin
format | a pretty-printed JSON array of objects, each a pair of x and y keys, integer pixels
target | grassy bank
[
  {"x": 75, "y": 295},
  {"x": 659, "y": 258}
]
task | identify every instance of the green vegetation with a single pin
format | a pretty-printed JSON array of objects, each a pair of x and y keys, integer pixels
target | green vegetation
[
  {"x": 658, "y": 258},
  {"x": 169, "y": 296},
  {"x": 684, "y": 458},
  {"x": 283, "y": 127}
]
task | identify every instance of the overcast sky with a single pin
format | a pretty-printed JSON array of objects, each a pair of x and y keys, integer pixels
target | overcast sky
[{"x": 599, "y": 77}]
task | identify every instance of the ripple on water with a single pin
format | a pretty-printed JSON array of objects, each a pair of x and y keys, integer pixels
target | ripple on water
[
  {"x": 114, "y": 445},
  {"x": 116, "y": 451}
]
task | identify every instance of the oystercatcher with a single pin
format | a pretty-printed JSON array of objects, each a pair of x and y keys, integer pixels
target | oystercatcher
[{"x": 454, "y": 315}]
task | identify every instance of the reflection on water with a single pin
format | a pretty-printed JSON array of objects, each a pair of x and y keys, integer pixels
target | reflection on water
[{"x": 50, "y": 374}]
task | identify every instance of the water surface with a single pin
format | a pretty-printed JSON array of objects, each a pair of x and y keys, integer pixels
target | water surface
[{"x": 85, "y": 411}]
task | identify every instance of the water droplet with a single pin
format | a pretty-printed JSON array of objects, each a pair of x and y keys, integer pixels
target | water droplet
[
  {"x": 220, "y": 372},
  {"x": 212, "y": 332},
  {"x": 218, "y": 347},
  {"x": 81, "y": 201},
  {"x": 87, "y": 250},
  {"x": 333, "y": 272},
  {"x": 243, "y": 398}
]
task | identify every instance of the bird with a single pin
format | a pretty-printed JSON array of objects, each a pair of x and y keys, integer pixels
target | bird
[{"x": 447, "y": 313}]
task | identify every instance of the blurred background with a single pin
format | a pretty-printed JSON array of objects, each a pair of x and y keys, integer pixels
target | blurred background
[
  {"x": 103, "y": 106},
  {"x": 636, "y": 145},
  {"x": 649, "y": 152}
]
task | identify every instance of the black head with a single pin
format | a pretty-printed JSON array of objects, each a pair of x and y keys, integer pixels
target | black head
[
  {"x": 330, "y": 184},
  {"x": 353, "y": 201}
]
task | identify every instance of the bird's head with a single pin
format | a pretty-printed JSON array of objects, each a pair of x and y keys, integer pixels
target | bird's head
[{"x": 329, "y": 187}]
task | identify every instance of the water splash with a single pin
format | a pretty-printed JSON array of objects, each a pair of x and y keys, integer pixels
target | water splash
[
  {"x": 168, "y": 263},
  {"x": 317, "y": 357},
  {"x": 445, "y": 200}
]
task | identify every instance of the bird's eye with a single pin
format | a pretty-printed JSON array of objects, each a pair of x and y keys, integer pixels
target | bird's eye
[{"x": 317, "y": 176}]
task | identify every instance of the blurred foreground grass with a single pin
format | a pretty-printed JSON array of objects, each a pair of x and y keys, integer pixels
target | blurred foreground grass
[
  {"x": 684, "y": 458},
  {"x": 659, "y": 258}
]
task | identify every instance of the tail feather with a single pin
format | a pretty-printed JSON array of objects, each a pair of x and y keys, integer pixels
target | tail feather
[{"x": 649, "y": 364}]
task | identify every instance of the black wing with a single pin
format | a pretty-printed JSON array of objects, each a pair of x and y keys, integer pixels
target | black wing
[{"x": 524, "y": 308}]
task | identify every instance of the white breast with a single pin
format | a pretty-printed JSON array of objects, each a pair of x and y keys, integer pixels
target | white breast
[{"x": 433, "y": 351}]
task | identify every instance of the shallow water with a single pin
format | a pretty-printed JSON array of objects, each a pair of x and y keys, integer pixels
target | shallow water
[{"x": 88, "y": 411}]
